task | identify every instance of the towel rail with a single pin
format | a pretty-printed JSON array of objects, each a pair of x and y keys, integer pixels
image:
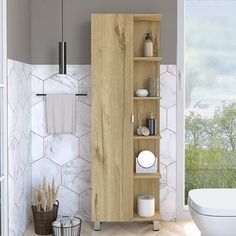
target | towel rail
[{"x": 77, "y": 94}]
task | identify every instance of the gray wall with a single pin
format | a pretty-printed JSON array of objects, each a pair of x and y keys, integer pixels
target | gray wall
[
  {"x": 46, "y": 26},
  {"x": 18, "y": 30}
]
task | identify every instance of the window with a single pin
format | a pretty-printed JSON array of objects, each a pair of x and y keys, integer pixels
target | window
[{"x": 206, "y": 97}]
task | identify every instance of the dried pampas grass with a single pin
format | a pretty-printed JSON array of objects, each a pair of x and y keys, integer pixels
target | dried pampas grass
[{"x": 45, "y": 196}]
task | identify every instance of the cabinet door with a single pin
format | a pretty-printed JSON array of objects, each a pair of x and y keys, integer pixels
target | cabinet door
[{"x": 112, "y": 129}]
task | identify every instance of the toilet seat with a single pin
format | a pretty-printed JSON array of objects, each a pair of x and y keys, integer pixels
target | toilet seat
[{"x": 213, "y": 202}]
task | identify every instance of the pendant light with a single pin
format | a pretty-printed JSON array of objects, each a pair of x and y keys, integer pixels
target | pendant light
[{"x": 62, "y": 45}]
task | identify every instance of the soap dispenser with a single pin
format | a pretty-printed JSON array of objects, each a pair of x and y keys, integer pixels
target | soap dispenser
[
  {"x": 152, "y": 124},
  {"x": 148, "y": 45}
]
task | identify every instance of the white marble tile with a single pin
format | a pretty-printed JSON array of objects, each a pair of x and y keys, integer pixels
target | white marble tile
[
  {"x": 23, "y": 152},
  {"x": 85, "y": 147},
  {"x": 171, "y": 175},
  {"x": 47, "y": 168},
  {"x": 163, "y": 69},
  {"x": 37, "y": 87},
  {"x": 163, "y": 175},
  {"x": 168, "y": 147},
  {"x": 163, "y": 117},
  {"x": 27, "y": 119},
  {"x": 18, "y": 122},
  {"x": 23, "y": 89},
  {"x": 76, "y": 175},
  {"x": 79, "y": 72},
  {"x": 10, "y": 124},
  {"x": 168, "y": 90},
  {"x": 171, "y": 69},
  {"x": 44, "y": 71},
  {"x": 85, "y": 99},
  {"x": 39, "y": 119},
  {"x": 14, "y": 224},
  {"x": 19, "y": 189},
  {"x": 69, "y": 202},
  {"x": 37, "y": 147},
  {"x": 61, "y": 148},
  {"x": 85, "y": 203},
  {"x": 18, "y": 67},
  {"x": 28, "y": 181},
  {"x": 83, "y": 118},
  {"x": 10, "y": 65},
  {"x": 11, "y": 195},
  {"x": 19, "y": 156},
  {"x": 13, "y": 160},
  {"x": 85, "y": 82},
  {"x": 171, "y": 121},
  {"x": 60, "y": 84},
  {"x": 27, "y": 70},
  {"x": 13, "y": 90},
  {"x": 168, "y": 204}
]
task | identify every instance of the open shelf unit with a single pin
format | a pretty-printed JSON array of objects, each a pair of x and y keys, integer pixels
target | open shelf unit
[{"x": 143, "y": 68}]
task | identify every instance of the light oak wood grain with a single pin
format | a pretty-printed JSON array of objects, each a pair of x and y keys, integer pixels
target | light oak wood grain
[
  {"x": 147, "y": 187},
  {"x": 112, "y": 104},
  {"x": 147, "y": 17},
  {"x": 142, "y": 27},
  {"x": 118, "y": 70}
]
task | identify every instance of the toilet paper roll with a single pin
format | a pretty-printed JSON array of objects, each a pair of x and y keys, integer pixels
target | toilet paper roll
[{"x": 146, "y": 206}]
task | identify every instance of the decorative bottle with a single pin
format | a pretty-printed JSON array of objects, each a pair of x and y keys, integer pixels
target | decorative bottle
[
  {"x": 152, "y": 124},
  {"x": 148, "y": 45}
]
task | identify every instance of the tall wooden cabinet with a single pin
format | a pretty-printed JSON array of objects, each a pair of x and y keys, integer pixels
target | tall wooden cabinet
[{"x": 118, "y": 70}]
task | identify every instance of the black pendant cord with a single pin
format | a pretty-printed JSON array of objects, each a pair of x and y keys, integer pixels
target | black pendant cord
[{"x": 62, "y": 19}]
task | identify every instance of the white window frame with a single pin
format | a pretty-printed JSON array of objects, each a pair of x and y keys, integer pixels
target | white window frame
[
  {"x": 182, "y": 211},
  {"x": 3, "y": 119}
]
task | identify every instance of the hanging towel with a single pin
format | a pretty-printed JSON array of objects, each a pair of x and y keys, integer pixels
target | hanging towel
[{"x": 60, "y": 110}]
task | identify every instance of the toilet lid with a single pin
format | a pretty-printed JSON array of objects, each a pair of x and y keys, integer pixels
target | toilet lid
[{"x": 213, "y": 202}]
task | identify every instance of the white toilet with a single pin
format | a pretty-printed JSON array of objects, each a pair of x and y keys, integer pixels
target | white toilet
[{"x": 214, "y": 211}]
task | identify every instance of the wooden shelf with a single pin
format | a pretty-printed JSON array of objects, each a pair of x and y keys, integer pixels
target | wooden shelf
[
  {"x": 147, "y": 17},
  {"x": 147, "y": 176},
  {"x": 147, "y": 137},
  {"x": 147, "y": 98},
  {"x": 148, "y": 59},
  {"x": 155, "y": 217}
]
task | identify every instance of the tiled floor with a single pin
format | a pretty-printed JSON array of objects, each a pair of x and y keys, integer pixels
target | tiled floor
[{"x": 136, "y": 229}]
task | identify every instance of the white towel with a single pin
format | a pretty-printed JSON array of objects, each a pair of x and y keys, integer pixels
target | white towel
[{"x": 60, "y": 110}]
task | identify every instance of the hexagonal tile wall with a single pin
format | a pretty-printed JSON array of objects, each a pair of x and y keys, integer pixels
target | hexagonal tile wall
[
  {"x": 85, "y": 203},
  {"x": 83, "y": 122},
  {"x": 76, "y": 175},
  {"x": 37, "y": 147},
  {"x": 168, "y": 147},
  {"x": 45, "y": 168},
  {"x": 69, "y": 202},
  {"x": 61, "y": 148},
  {"x": 168, "y": 90},
  {"x": 39, "y": 119},
  {"x": 19, "y": 146},
  {"x": 71, "y": 153},
  {"x": 60, "y": 84},
  {"x": 85, "y": 145}
]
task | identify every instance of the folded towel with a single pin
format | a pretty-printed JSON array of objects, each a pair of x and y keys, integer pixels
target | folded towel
[{"x": 60, "y": 110}]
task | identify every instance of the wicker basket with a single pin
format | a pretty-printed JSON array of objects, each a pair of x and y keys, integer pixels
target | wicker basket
[{"x": 43, "y": 219}]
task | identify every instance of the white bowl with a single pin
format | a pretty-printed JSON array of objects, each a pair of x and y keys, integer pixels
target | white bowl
[{"x": 142, "y": 93}]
